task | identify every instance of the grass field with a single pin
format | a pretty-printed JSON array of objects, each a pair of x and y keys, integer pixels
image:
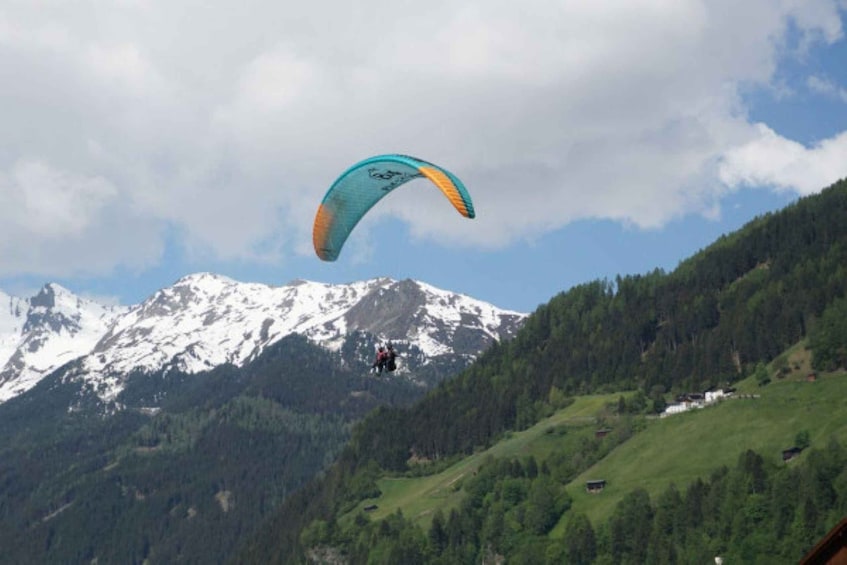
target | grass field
[
  {"x": 685, "y": 446},
  {"x": 419, "y": 497},
  {"x": 676, "y": 449}
]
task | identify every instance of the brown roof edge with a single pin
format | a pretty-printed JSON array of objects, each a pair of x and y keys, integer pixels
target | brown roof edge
[{"x": 828, "y": 547}]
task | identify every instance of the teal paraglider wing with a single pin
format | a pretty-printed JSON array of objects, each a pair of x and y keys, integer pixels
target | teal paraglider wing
[{"x": 364, "y": 184}]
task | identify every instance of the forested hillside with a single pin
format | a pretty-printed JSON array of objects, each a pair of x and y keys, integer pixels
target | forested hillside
[
  {"x": 714, "y": 320},
  {"x": 743, "y": 300},
  {"x": 188, "y": 480}
]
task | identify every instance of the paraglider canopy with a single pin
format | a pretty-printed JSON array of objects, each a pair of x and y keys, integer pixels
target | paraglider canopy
[{"x": 366, "y": 183}]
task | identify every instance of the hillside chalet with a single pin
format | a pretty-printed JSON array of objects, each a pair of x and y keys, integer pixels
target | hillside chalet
[
  {"x": 691, "y": 400},
  {"x": 791, "y": 453},
  {"x": 593, "y": 487}
]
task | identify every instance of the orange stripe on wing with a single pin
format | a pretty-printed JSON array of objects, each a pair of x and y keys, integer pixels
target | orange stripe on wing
[
  {"x": 446, "y": 185},
  {"x": 320, "y": 233}
]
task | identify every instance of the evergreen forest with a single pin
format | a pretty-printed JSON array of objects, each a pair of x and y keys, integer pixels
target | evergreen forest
[{"x": 187, "y": 470}]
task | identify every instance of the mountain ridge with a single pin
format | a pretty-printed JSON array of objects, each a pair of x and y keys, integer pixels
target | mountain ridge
[{"x": 205, "y": 320}]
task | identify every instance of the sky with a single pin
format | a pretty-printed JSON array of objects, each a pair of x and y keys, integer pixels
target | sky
[{"x": 146, "y": 140}]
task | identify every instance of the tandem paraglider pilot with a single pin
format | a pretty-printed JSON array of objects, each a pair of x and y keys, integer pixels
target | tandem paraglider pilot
[{"x": 386, "y": 359}]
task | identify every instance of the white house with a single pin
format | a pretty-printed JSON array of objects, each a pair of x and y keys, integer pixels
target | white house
[
  {"x": 675, "y": 409},
  {"x": 710, "y": 397},
  {"x": 714, "y": 395}
]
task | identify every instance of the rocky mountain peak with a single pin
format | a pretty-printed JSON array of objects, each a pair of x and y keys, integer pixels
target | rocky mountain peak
[
  {"x": 41, "y": 333},
  {"x": 204, "y": 320},
  {"x": 46, "y": 297}
]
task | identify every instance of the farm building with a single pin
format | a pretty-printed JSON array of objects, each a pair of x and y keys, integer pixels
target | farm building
[
  {"x": 596, "y": 486},
  {"x": 791, "y": 453},
  {"x": 688, "y": 401}
]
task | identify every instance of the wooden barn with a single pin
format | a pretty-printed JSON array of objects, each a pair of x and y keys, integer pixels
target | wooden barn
[
  {"x": 594, "y": 487},
  {"x": 790, "y": 453}
]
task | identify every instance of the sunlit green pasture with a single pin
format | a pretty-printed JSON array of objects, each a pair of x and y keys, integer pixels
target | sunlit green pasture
[
  {"x": 419, "y": 497},
  {"x": 679, "y": 448}
]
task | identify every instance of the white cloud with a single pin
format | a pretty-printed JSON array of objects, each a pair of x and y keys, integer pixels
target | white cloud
[
  {"x": 225, "y": 123},
  {"x": 825, "y": 86},
  {"x": 57, "y": 221},
  {"x": 771, "y": 160},
  {"x": 50, "y": 203}
]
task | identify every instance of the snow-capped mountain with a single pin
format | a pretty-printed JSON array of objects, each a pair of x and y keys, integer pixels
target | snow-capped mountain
[
  {"x": 42, "y": 333},
  {"x": 206, "y": 320}
]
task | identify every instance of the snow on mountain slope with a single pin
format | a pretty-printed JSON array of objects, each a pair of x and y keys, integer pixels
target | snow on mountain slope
[
  {"x": 12, "y": 319},
  {"x": 205, "y": 320},
  {"x": 40, "y": 334}
]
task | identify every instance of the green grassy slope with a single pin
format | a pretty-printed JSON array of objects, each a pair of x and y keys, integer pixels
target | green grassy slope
[
  {"x": 676, "y": 449},
  {"x": 419, "y": 497},
  {"x": 682, "y": 447}
]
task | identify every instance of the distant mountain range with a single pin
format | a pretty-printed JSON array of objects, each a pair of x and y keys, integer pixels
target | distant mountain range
[
  {"x": 204, "y": 320},
  {"x": 167, "y": 431}
]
